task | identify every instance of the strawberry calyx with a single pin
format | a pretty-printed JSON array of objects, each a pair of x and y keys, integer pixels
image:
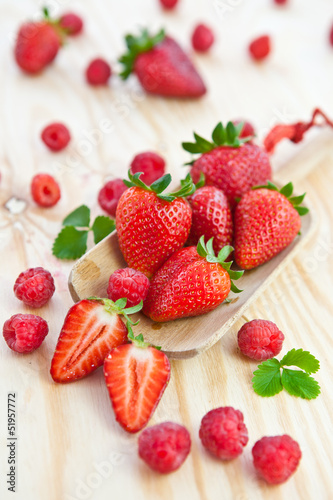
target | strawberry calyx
[
  {"x": 138, "y": 341},
  {"x": 137, "y": 45},
  {"x": 157, "y": 187},
  {"x": 287, "y": 191},
  {"x": 119, "y": 307},
  {"x": 207, "y": 251},
  {"x": 55, "y": 23},
  {"x": 221, "y": 136}
]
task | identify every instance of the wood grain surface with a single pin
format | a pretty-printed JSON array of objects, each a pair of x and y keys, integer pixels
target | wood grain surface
[{"x": 69, "y": 445}]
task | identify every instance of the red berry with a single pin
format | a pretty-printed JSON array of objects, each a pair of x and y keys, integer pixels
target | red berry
[
  {"x": 25, "y": 332},
  {"x": 276, "y": 458},
  {"x": 56, "y": 136},
  {"x": 202, "y": 38},
  {"x": 260, "y": 47},
  {"x": 223, "y": 432},
  {"x": 130, "y": 284},
  {"x": 168, "y": 4},
  {"x": 164, "y": 447},
  {"x": 71, "y": 23},
  {"x": 45, "y": 190},
  {"x": 151, "y": 164},
  {"x": 331, "y": 36},
  {"x": 110, "y": 194},
  {"x": 34, "y": 287},
  {"x": 98, "y": 72},
  {"x": 260, "y": 339},
  {"x": 247, "y": 130},
  {"x": 281, "y": 2}
]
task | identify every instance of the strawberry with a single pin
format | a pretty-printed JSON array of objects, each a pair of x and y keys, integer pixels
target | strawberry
[
  {"x": 38, "y": 43},
  {"x": 266, "y": 221},
  {"x": 91, "y": 329},
  {"x": 192, "y": 282},
  {"x": 136, "y": 376},
  {"x": 229, "y": 163},
  {"x": 151, "y": 226},
  {"x": 161, "y": 66},
  {"x": 211, "y": 217}
]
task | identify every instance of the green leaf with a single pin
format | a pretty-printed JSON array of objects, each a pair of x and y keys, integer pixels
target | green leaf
[
  {"x": 266, "y": 379},
  {"x": 302, "y": 210},
  {"x": 80, "y": 217},
  {"x": 161, "y": 184},
  {"x": 101, "y": 227},
  {"x": 287, "y": 190},
  {"x": 201, "y": 181},
  {"x": 225, "y": 252},
  {"x": 297, "y": 200},
  {"x": 201, "y": 247},
  {"x": 204, "y": 145},
  {"x": 299, "y": 383},
  {"x": 235, "y": 275},
  {"x": 191, "y": 147},
  {"x": 70, "y": 243},
  {"x": 234, "y": 288},
  {"x": 121, "y": 303},
  {"x": 134, "y": 309},
  {"x": 302, "y": 359},
  {"x": 218, "y": 134},
  {"x": 231, "y": 132}
]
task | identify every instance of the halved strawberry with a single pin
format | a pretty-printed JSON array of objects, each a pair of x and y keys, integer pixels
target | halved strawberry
[
  {"x": 136, "y": 376},
  {"x": 91, "y": 329}
]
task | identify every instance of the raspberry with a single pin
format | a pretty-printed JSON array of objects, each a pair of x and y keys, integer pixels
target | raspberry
[
  {"x": 45, "y": 190},
  {"x": 130, "y": 284},
  {"x": 202, "y": 38},
  {"x": 98, "y": 72},
  {"x": 168, "y": 4},
  {"x": 223, "y": 432},
  {"x": 260, "y": 47},
  {"x": 151, "y": 164},
  {"x": 260, "y": 339},
  {"x": 247, "y": 130},
  {"x": 276, "y": 458},
  {"x": 56, "y": 136},
  {"x": 164, "y": 447},
  {"x": 71, "y": 23},
  {"x": 34, "y": 287},
  {"x": 110, "y": 194},
  {"x": 25, "y": 332}
]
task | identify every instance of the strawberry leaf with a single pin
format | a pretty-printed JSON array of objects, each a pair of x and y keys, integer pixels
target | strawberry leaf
[
  {"x": 218, "y": 135},
  {"x": 161, "y": 184},
  {"x": 80, "y": 217},
  {"x": 266, "y": 379},
  {"x": 101, "y": 227},
  {"x": 70, "y": 243},
  {"x": 302, "y": 359},
  {"x": 299, "y": 383},
  {"x": 287, "y": 190}
]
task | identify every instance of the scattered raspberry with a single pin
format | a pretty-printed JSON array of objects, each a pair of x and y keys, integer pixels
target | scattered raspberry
[
  {"x": 260, "y": 47},
  {"x": 331, "y": 36},
  {"x": 110, "y": 194},
  {"x": 168, "y": 4},
  {"x": 98, "y": 72},
  {"x": 247, "y": 130},
  {"x": 71, "y": 23},
  {"x": 281, "y": 2},
  {"x": 276, "y": 458},
  {"x": 130, "y": 284},
  {"x": 56, "y": 136},
  {"x": 45, "y": 190},
  {"x": 260, "y": 339},
  {"x": 25, "y": 332},
  {"x": 34, "y": 287},
  {"x": 223, "y": 432},
  {"x": 151, "y": 164},
  {"x": 164, "y": 447},
  {"x": 202, "y": 38}
]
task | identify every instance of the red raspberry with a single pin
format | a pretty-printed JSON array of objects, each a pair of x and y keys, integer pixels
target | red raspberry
[
  {"x": 168, "y": 4},
  {"x": 276, "y": 458},
  {"x": 25, "y": 332},
  {"x": 247, "y": 130},
  {"x": 223, "y": 432},
  {"x": 260, "y": 339},
  {"x": 202, "y": 38},
  {"x": 34, "y": 287},
  {"x": 56, "y": 136},
  {"x": 260, "y": 47},
  {"x": 110, "y": 194},
  {"x": 71, "y": 23},
  {"x": 164, "y": 447},
  {"x": 151, "y": 164},
  {"x": 130, "y": 284},
  {"x": 45, "y": 190},
  {"x": 98, "y": 72}
]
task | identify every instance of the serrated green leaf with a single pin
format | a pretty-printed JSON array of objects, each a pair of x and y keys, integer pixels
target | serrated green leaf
[
  {"x": 287, "y": 190},
  {"x": 266, "y": 379},
  {"x": 70, "y": 243},
  {"x": 101, "y": 227},
  {"x": 218, "y": 134},
  {"x": 299, "y": 383},
  {"x": 302, "y": 359},
  {"x": 80, "y": 217}
]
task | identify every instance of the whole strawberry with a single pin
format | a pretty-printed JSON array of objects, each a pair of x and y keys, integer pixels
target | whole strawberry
[
  {"x": 228, "y": 163},
  {"x": 161, "y": 66},
  {"x": 211, "y": 217},
  {"x": 151, "y": 226},
  {"x": 192, "y": 282},
  {"x": 266, "y": 221}
]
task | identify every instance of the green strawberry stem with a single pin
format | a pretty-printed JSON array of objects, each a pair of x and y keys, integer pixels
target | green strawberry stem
[
  {"x": 138, "y": 341},
  {"x": 118, "y": 307},
  {"x": 287, "y": 191},
  {"x": 207, "y": 251},
  {"x": 157, "y": 187},
  {"x": 137, "y": 45},
  {"x": 221, "y": 136}
]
